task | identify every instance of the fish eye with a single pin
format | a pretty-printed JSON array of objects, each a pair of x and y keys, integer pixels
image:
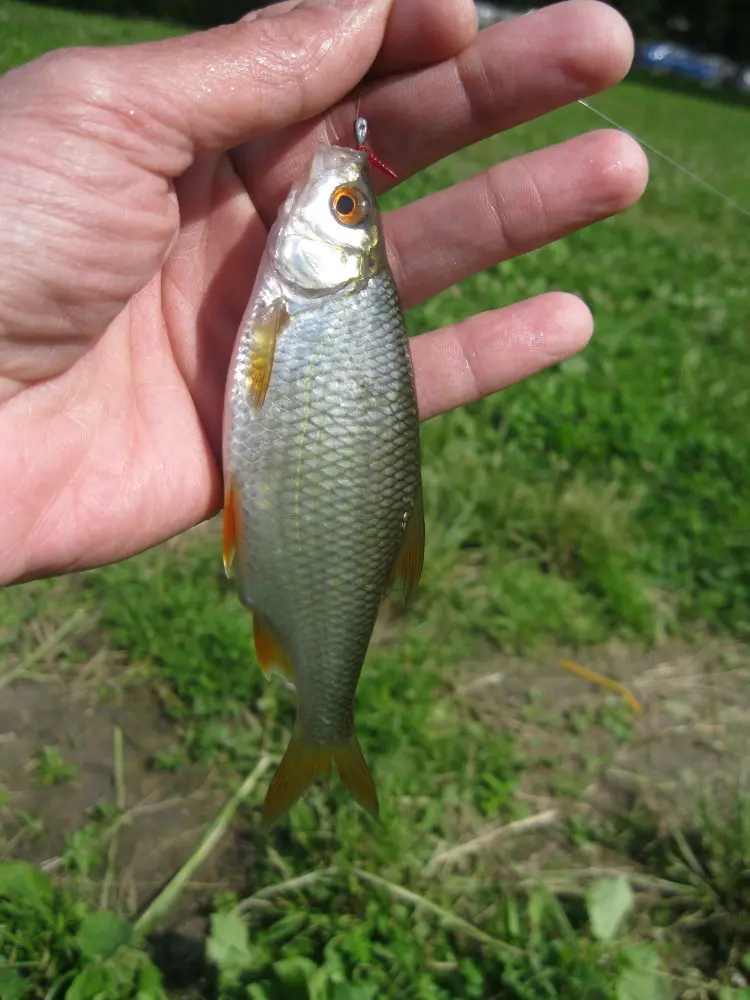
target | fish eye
[{"x": 348, "y": 205}]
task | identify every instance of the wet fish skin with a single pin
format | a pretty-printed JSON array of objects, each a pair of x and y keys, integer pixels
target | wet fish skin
[{"x": 324, "y": 473}]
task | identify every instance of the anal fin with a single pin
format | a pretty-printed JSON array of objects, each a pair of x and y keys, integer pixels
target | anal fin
[{"x": 271, "y": 656}]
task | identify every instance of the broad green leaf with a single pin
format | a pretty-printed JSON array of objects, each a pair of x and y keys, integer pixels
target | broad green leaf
[
  {"x": 643, "y": 984},
  {"x": 150, "y": 984},
  {"x": 287, "y": 927},
  {"x": 23, "y": 883},
  {"x": 12, "y": 986},
  {"x": 355, "y": 991},
  {"x": 92, "y": 984},
  {"x": 294, "y": 976},
  {"x": 641, "y": 955},
  {"x": 228, "y": 947},
  {"x": 102, "y": 933},
  {"x": 608, "y": 902},
  {"x": 319, "y": 983}
]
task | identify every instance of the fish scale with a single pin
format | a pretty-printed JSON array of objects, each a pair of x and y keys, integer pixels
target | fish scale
[{"x": 347, "y": 473}]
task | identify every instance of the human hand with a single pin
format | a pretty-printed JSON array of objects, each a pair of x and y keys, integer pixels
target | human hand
[{"x": 136, "y": 188}]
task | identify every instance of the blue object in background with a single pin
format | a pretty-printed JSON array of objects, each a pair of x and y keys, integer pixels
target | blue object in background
[{"x": 679, "y": 60}]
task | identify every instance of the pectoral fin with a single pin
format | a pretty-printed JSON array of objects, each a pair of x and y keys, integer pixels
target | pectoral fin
[
  {"x": 266, "y": 329},
  {"x": 407, "y": 569}
]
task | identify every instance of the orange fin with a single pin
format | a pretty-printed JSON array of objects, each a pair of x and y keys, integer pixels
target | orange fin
[
  {"x": 355, "y": 775},
  {"x": 303, "y": 763},
  {"x": 229, "y": 528},
  {"x": 299, "y": 767},
  {"x": 266, "y": 330},
  {"x": 407, "y": 569},
  {"x": 270, "y": 654}
]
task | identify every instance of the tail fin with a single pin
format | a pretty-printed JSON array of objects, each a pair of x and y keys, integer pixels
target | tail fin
[
  {"x": 302, "y": 763},
  {"x": 355, "y": 775}
]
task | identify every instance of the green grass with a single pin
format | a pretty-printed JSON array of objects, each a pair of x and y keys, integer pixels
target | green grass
[
  {"x": 603, "y": 499},
  {"x": 644, "y": 432},
  {"x": 28, "y": 31}
]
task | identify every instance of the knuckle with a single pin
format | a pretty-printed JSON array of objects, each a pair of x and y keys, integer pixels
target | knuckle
[
  {"x": 79, "y": 73},
  {"x": 91, "y": 95},
  {"x": 63, "y": 85},
  {"x": 286, "y": 51}
]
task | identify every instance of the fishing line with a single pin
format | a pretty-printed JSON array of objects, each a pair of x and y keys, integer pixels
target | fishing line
[{"x": 664, "y": 156}]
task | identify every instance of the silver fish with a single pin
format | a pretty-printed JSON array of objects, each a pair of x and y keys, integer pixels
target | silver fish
[{"x": 323, "y": 505}]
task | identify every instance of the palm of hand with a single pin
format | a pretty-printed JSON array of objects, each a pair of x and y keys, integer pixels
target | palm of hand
[
  {"x": 112, "y": 442},
  {"x": 126, "y": 442}
]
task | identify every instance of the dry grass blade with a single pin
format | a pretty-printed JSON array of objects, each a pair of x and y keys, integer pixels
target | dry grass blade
[
  {"x": 487, "y": 680},
  {"x": 120, "y": 801},
  {"x": 529, "y": 824},
  {"x": 448, "y": 919},
  {"x": 284, "y": 888},
  {"x": 64, "y": 631},
  {"x": 570, "y": 881}
]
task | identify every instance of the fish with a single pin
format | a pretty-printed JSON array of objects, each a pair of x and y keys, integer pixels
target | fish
[{"x": 323, "y": 509}]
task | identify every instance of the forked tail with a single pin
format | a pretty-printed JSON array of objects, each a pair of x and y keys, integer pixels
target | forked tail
[{"x": 303, "y": 762}]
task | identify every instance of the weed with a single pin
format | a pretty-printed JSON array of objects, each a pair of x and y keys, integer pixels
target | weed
[
  {"x": 708, "y": 855},
  {"x": 50, "y": 943},
  {"x": 51, "y": 769}
]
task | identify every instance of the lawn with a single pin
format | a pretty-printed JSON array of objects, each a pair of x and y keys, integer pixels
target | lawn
[{"x": 539, "y": 838}]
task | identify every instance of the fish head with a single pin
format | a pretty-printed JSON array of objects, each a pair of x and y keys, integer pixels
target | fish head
[{"x": 328, "y": 234}]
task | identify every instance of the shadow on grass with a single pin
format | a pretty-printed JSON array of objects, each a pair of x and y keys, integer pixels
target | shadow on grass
[
  {"x": 182, "y": 961},
  {"x": 707, "y": 861}
]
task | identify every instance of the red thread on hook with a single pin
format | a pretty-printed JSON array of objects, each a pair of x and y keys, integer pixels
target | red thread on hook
[{"x": 377, "y": 162}]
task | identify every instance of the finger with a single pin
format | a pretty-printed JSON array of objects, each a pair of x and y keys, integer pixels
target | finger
[
  {"x": 459, "y": 364},
  {"x": 511, "y": 73},
  {"x": 511, "y": 209},
  {"x": 422, "y": 33},
  {"x": 165, "y": 102},
  {"x": 418, "y": 33}
]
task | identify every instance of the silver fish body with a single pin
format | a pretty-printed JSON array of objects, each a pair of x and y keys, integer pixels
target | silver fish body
[{"x": 323, "y": 469}]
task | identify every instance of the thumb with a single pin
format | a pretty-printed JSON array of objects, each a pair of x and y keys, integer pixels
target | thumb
[{"x": 215, "y": 89}]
